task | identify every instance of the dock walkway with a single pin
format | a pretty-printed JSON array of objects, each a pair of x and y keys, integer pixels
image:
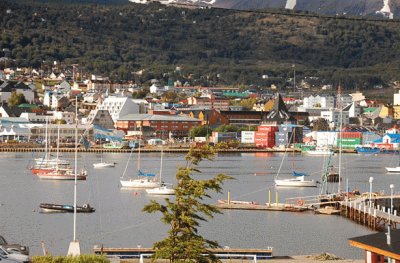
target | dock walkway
[{"x": 375, "y": 217}]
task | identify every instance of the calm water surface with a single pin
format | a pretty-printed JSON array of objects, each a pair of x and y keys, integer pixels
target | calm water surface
[{"x": 119, "y": 222}]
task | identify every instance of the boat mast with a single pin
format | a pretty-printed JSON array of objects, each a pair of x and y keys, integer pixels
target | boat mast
[
  {"x": 340, "y": 106},
  {"x": 58, "y": 145},
  {"x": 161, "y": 162},
  {"x": 140, "y": 138},
  {"x": 46, "y": 147},
  {"x": 76, "y": 162}
]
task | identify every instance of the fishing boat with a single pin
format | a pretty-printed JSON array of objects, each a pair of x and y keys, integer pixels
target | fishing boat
[
  {"x": 163, "y": 188},
  {"x": 57, "y": 208}
]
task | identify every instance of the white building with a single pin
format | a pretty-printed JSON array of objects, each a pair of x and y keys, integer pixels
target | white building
[
  {"x": 324, "y": 102},
  {"x": 119, "y": 106},
  {"x": 396, "y": 98},
  {"x": 333, "y": 117}
]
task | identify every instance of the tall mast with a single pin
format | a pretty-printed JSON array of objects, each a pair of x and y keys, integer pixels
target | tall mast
[
  {"x": 340, "y": 107},
  {"x": 46, "y": 147},
  {"x": 140, "y": 138},
  {"x": 76, "y": 162}
]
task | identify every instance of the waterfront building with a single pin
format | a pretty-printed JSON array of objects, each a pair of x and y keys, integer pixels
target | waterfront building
[
  {"x": 379, "y": 247},
  {"x": 101, "y": 118},
  {"x": 163, "y": 125},
  {"x": 119, "y": 106},
  {"x": 319, "y": 101},
  {"x": 212, "y": 101}
]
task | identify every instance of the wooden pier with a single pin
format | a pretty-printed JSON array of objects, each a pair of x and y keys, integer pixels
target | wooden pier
[
  {"x": 265, "y": 207},
  {"x": 374, "y": 217}
]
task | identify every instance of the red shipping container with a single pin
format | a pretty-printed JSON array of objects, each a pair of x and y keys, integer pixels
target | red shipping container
[
  {"x": 264, "y": 135},
  {"x": 351, "y": 135},
  {"x": 266, "y": 128}
]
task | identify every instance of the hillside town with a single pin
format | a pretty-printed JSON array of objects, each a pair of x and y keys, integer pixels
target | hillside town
[{"x": 115, "y": 115}]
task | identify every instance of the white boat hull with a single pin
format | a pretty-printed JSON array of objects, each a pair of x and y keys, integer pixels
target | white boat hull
[
  {"x": 393, "y": 169},
  {"x": 103, "y": 165},
  {"x": 139, "y": 183},
  {"x": 162, "y": 190},
  {"x": 296, "y": 182},
  {"x": 318, "y": 152}
]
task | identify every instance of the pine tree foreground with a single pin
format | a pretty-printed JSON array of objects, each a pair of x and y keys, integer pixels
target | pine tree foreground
[{"x": 184, "y": 214}]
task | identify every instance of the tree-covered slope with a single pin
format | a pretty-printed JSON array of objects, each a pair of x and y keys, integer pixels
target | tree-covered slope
[{"x": 239, "y": 46}]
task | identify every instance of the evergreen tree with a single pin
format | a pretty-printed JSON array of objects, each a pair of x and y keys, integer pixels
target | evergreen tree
[
  {"x": 184, "y": 214},
  {"x": 16, "y": 99}
]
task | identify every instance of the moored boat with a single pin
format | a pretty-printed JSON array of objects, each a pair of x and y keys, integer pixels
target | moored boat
[
  {"x": 393, "y": 169},
  {"x": 367, "y": 149},
  {"x": 54, "y": 208},
  {"x": 161, "y": 190},
  {"x": 327, "y": 210},
  {"x": 299, "y": 181},
  {"x": 62, "y": 175},
  {"x": 103, "y": 165}
]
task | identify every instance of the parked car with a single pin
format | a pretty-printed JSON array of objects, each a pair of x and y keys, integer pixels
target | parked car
[
  {"x": 4, "y": 259},
  {"x": 21, "y": 258},
  {"x": 14, "y": 247}
]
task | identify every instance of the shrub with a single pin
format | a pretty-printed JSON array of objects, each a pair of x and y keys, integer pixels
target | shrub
[{"x": 87, "y": 258}]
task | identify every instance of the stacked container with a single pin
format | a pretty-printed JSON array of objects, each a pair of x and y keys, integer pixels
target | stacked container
[{"x": 264, "y": 137}]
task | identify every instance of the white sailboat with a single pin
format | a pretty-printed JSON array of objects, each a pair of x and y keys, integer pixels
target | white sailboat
[
  {"x": 163, "y": 188},
  {"x": 143, "y": 180},
  {"x": 102, "y": 164},
  {"x": 299, "y": 179}
]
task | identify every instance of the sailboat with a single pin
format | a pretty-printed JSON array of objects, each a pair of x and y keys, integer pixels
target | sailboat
[
  {"x": 143, "y": 180},
  {"x": 163, "y": 188},
  {"x": 395, "y": 169},
  {"x": 45, "y": 161},
  {"x": 299, "y": 179},
  {"x": 51, "y": 207},
  {"x": 50, "y": 165},
  {"x": 59, "y": 172},
  {"x": 102, "y": 164}
]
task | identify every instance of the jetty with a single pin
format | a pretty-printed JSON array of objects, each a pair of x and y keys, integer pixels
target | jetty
[{"x": 370, "y": 214}]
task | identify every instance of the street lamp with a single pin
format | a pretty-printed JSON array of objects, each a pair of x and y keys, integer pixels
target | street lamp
[
  {"x": 371, "y": 179},
  {"x": 391, "y": 200},
  {"x": 388, "y": 237}
]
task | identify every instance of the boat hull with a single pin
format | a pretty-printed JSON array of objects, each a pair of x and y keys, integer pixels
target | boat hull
[
  {"x": 57, "y": 208},
  {"x": 393, "y": 169},
  {"x": 60, "y": 175},
  {"x": 139, "y": 183},
  {"x": 103, "y": 165},
  {"x": 295, "y": 183},
  {"x": 318, "y": 152},
  {"x": 163, "y": 190}
]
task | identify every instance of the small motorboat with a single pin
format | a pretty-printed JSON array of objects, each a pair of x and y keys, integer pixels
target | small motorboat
[
  {"x": 103, "y": 165},
  {"x": 56, "y": 208},
  {"x": 328, "y": 210}
]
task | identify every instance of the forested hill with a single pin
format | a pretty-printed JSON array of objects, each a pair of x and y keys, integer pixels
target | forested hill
[{"x": 238, "y": 46}]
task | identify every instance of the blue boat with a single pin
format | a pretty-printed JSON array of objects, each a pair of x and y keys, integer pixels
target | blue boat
[{"x": 367, "y": 149}]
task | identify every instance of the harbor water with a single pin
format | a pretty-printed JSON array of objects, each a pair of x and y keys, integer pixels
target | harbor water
[{"x": 120, "y": 222}]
